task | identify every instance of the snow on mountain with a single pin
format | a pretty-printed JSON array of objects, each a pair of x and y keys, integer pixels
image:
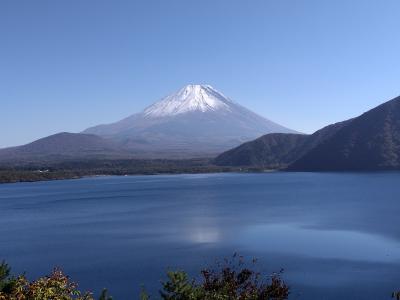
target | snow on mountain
[
  {"x": 191, "y": 98},
  {"x": 197, "y": 120}
]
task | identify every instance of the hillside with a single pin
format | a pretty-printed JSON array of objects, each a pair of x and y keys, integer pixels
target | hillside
[
  {"x": 61, "y": 146},
  {"x": 276, "y": 151},
  {"x": 370, "y": 142},
  {"x": 273, "y": 150}
]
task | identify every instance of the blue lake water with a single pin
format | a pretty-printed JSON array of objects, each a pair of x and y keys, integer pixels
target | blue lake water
[{"x": 336, "y": 235}]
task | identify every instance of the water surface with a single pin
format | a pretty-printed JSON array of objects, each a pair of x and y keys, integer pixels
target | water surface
[{"x": 337, "y": 235}]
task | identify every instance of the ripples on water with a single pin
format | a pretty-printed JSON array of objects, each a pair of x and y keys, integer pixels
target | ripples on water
[{"x": 336, "y": 235}]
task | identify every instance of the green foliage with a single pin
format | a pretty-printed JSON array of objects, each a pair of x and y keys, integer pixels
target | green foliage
[
  {"x": 178, "y": 287},
  {"x": 4, "y": 274},
  {"x": 144, "y": 295},
  {"x": 56, "y": 286},
  {"x": 6, "y": 281},
  {"x": 396, "y": 295},
  {"x": 231, "y": 280},
  {"x": 104, "y": 295},
  {"x": 4, "y": 271}
]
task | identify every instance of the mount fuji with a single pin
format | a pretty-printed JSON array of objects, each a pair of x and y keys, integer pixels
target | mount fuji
[{"x": 195, "y": 121}]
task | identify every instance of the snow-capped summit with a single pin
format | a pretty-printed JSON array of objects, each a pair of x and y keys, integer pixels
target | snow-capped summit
[
  {"x": 193, "y": 97},
  {"x": 197, "y": 120}
]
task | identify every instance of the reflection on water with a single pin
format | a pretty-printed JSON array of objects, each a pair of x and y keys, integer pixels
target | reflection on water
[
  {"x": 204, "y": 234},
  {"x": 336, "y": 235},
  {"x": 200, "y": 230},
  {"x": 330, "y": 244}
]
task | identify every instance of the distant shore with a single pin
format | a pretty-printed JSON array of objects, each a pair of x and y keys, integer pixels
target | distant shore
[
  {"x": 20, "y": 177},
  {"x": 44, "y": 171},
  {"x": 40, "y": 171}
]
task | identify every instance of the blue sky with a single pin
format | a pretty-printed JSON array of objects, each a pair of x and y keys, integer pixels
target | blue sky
[{"x": 68, "y": 65}]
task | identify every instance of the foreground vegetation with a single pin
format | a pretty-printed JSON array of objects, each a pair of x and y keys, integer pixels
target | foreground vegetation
[{"x": 231, "y": 280}]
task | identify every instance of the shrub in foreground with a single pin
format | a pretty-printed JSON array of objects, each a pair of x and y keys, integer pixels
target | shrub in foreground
[
  {"x": 56, "y": 286},
  {"x": 396, "y": 295},
  {"x": 231, "y": 280}
]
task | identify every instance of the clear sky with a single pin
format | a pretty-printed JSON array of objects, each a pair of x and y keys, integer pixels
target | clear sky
[{"x": 69, "y": 64}]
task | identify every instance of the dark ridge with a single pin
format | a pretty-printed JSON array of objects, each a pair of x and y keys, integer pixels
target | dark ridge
[
  {"x": 273, "y": 151},
  {"x": 370, "y": 142},
  {"x": 277, "y": 150}
]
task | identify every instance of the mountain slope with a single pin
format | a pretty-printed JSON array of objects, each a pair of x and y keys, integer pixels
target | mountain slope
[
  {"x": 275, "y": 150},
  {"x": 195, "y": 121},
  {"x": 62, "y": 146},
  {"x": 370, "y": 142}
]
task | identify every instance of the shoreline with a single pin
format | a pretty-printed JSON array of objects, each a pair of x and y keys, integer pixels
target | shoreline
[{"x": 20, "y": 177}]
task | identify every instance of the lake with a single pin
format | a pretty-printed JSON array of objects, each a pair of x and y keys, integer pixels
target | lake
[{"x": 336, "y": 235}]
